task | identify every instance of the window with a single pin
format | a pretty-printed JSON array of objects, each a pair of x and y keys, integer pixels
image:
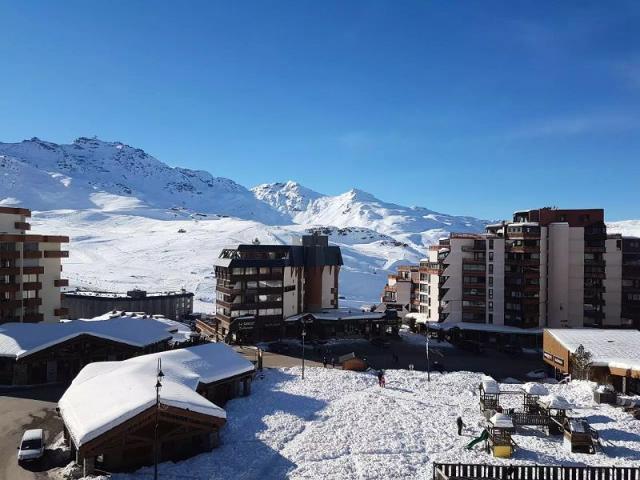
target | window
[
  {"x": 491, "y": 256},
  {"x": 491, "y": 281},
  {"x": 491, "y": 268},
  {"x": 490, "y": 305},
  {"x": 491, "y": 318},
  {"x": 269, "y": 311},
  {"x": 264, "y": 270},
  {"x": 491, "y": 293},
  {"x": 491, "y": 248}
]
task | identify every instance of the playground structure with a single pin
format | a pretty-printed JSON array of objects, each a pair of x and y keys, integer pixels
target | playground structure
[
  {"x": 470, "y": 471},
  {"x": 500, "y": 443},
  {"x": 489, "y": 394},
  {"x": 539, "y": 409},
  {"x": 579, "y": 436}
]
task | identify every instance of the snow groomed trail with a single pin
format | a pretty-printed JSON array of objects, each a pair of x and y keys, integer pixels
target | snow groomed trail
[{"x": 340, "y": 425}]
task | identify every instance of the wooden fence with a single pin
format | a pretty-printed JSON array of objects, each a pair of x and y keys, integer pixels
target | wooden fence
[{"x": 457, "y": 471}]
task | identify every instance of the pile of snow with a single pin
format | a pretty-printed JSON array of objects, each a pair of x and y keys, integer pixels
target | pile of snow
[
  {"x": 533, "y": 388},
  {"x": 489, "y": 385},
  {"x": 106, "y": 394},
  {"x": 338, "y": 424},
  {"x": 555, "y": 402}
]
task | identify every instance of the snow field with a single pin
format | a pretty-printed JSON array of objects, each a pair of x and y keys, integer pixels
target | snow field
[{"x": 340, "y": 425}]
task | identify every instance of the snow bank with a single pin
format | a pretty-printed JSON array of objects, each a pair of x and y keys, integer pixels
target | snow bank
[{"x": 533, "y": 388}]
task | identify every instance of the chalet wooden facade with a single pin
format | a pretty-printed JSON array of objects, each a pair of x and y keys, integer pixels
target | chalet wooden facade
[{"x": 196, "y": 382}]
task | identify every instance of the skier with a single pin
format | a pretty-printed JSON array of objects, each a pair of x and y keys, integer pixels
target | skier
[{"x": 460, "y": 424}]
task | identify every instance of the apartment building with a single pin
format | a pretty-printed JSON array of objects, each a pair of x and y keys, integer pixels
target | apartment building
[
  {"x": 30, "y": 267},
  {"x": 258, "y": 286},
  {"x": 401, "y": 291},
  {"x": 546, "y": 268}
]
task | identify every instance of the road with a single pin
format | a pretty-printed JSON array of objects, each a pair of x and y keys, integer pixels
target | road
[
  {"x": 497, "y": 364},
  {"x": 19, "y": 411}
]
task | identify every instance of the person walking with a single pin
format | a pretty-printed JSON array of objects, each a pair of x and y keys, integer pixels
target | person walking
[
  {"x": 460, "y": 424},
  {"x": 325, "y": 361},
  {"x": 380, "y": 378}
]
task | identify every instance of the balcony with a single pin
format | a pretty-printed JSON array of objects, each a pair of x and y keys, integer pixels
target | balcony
[
  {"x": 32, "y": 254},
  {"x": 32, "y": 286},
  {"x": 474, "y": 261},
  {"x": 32, "y": 270},
  {"x": 22, "y": 226},
  {"x": 61, "y": 282},
  {"x": 9, "y": 287},
  {"x": 32, "y": 302},
  {"x": 56, "y": 254},
  {"x": 9, "y": 255},
  {"x": 522, "y": 249},
  {"x": 474, "y": 248},
  {"x": 9, "y": 305},
  {"x": 61, "y": 312},
  {"x": 32, "y": 317},
  {"x": 9, "y": 271}
]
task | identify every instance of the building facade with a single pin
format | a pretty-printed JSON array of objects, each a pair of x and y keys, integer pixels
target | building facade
[
  {"x": 401, "y": 291},
  {"x": 258, "y": 286},
  {"x": 30, "y": 267},
  {"x": 548, "y": 268},
  {"x": 89, "y": 304}
]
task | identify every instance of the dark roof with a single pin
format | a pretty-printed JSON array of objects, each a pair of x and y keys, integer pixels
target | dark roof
[{"x": 286, "y": 256}]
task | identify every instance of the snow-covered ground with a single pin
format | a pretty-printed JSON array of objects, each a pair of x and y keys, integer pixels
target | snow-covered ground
[
  {"x": 115, "y": 252},
  {"x": 338, "y": 424}
]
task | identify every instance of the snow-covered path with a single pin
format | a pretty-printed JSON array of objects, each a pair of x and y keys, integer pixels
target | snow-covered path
[{"x": 338, "y": 424}]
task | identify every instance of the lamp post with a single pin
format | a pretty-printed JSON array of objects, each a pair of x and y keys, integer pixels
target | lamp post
[
  {"x": 304, "y": 334},
  {"x": 159, "y": 377},
  {"x": 427, "y": 347}
]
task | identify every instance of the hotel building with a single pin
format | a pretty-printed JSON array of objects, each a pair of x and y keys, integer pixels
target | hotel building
[
  {"x": 548, "y": 268},
  {"x": 30, "y": 267},
  {"x": 258, "y": 286}
]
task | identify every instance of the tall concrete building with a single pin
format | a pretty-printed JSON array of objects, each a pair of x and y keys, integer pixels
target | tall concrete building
[
  {"x": 401, "y": 291},
  {"x": 546, "y": 268},
  {"x": 258, "y": 286},
  {"x": 30, "y": 267}
]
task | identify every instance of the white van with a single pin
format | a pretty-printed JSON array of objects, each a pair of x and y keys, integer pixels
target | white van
[{"x": 31, "y": 446}]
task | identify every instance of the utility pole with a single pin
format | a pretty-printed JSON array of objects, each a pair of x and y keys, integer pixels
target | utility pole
[
  {"x": 155, "y": 438},
  {"x": 427, "y": 347},
  {"x": 304, "y": 334}
]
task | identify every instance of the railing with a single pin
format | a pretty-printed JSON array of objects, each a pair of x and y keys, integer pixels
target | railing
[{"x": 450, "y": 471}]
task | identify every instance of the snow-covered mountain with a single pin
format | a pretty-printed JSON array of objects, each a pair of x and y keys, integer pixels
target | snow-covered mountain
[
  {"x": 112, "y": 176},
  {"x": 415, "y": 226},
  {"x": 137, "y": 222}
]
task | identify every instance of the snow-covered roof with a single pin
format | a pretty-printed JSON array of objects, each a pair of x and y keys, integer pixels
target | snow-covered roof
[
  {"x": 21, "y": 339},
  {"x": 533, "y": 388},
  {"x": 555, "y": 402},
  {"x": 337, "y": 314},
  {"x": 180, "y": 332},
  {"x": 489, "y": 385},
  {"x": 501, "y": 420},
  {"x": 485, "y": 327},
  {"x": 106, "y": 394},
  {"x": 608, "y": 348}
]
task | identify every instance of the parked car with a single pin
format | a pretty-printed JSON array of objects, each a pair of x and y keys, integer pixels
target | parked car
[
  {"x": 31, "y": 446},
  {"x": 537, "y": 374},
  {"x": 279, "y": 347},
  {"x": 380, "y": 342}
]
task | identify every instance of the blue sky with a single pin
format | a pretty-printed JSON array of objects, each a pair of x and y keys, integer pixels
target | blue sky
[{"x": 473, "y": 107}]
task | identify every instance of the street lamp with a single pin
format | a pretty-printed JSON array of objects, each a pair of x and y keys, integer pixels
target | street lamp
[
  {"x": 304, "y": 334},
  {"x": 159, "y": 377},
  {"x": 427, "y": 347}
]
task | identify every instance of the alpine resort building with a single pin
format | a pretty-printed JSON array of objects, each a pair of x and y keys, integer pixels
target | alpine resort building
[
  {"x": 547, "y": 268},
  {"x": 30, "y": 267},
  {"x": 258, "y": 286}
]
